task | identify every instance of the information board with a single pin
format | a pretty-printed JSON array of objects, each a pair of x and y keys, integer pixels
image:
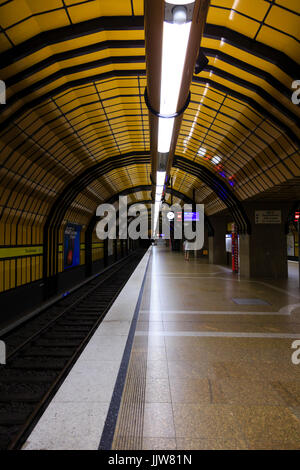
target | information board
[
  {"x": 191, "y": 216},
  {"x": 268, "y": 217}
]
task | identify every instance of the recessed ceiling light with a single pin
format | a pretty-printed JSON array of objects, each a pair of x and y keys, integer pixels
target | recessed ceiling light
[
  {"x": 216, "y": 160},
  {"x": 201, "y": 151}
]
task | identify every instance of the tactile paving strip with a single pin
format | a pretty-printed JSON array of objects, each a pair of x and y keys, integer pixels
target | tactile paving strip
[{"x": 129, "y": 430}]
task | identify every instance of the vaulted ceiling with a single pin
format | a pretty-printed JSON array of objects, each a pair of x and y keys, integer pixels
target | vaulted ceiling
[{"x": 75, "y": 77}]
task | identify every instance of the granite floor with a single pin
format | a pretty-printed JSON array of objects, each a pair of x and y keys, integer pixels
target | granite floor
[
  {"x": 76, "y": 416},
  {"x": 219, "y": 373},
  {"x": 210, "y": 365}
]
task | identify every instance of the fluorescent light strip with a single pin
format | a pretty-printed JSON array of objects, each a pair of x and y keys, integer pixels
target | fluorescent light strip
[
  {"x": 165, "y": 132},
  {"x": 175, "y": 41},
  {"x": 174, "y": 47},
  {"x": 180, "y": 2},
  {"x": 160, "y": 178}
]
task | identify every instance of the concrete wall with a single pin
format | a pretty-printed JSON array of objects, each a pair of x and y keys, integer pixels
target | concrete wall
[
  {"x": 263, "y": 253},
  {"x": 217, "y": 247}
]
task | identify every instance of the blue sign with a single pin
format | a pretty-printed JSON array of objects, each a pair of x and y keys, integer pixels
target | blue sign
[
  {"x": 190, "y": 216},
  {"x": 72, "y": 245}
]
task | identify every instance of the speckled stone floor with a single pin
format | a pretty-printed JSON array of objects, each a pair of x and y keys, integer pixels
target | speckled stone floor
[{"x": 219, "y": 374}]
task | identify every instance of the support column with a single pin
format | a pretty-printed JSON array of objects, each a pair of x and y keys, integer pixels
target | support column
[
  {"x": 199, "y": 253},
  {"x": 217, "y": 244},
  {"x": 263, "y": 254},
  {"x": 244, "y": 248}
]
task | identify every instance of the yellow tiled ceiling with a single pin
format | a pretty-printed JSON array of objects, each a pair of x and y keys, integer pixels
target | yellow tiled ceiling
[{"x": 75, "y": 74}]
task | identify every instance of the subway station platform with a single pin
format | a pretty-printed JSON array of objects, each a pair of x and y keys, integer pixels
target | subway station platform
[{"x": 189, "y": 356}]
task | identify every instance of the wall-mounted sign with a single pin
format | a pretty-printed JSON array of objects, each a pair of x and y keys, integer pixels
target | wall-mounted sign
[
  {"x": 229, "y": 226},
  {"x": 16, "y": 251},
  {"x": 268, "y": 217},
  {"x": 72, "y": 245}
]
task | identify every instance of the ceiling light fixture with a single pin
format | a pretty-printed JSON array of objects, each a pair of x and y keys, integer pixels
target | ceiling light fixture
[
  {"x": 176, "y": 33},
  {"x": 160, "y": 178},
  {"x": 160, "y": 182},
  {"x": 216, "y": 160},
  {"x": 201, "y": 151}
]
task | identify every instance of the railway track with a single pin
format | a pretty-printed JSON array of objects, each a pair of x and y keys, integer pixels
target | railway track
[{"x": 41, "y": 352}]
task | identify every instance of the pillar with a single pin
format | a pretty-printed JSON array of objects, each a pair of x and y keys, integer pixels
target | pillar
[
  {"x": 263, "y": 253},
  {"x": 216, "y": 244},
  {"x": 244, "y": 249}
]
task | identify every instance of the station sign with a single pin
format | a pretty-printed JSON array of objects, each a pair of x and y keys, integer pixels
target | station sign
[
  {"x": 188, "y": 216},
  {"x": 191, "y": 216}
]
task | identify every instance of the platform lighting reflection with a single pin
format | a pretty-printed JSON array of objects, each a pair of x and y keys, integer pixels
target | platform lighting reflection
[
  {"x": 188, "y": 138},
  {"x": 233, "y": 8}
]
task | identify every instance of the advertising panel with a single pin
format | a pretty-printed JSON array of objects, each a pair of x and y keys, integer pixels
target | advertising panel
[{"x": 72, "y": 245}]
